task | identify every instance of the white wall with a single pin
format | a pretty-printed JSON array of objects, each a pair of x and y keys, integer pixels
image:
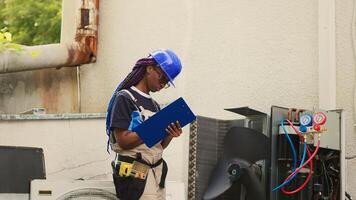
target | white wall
[{"x": 234, "y": 53}]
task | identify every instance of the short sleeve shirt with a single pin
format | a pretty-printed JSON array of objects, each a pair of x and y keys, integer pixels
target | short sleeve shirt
[
  {"x": 127, "y": 108},
  {"x": 128, "y": 111}
]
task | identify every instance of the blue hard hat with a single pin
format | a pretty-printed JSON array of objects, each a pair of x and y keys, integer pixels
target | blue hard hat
[{"x": 169, "y": 63}]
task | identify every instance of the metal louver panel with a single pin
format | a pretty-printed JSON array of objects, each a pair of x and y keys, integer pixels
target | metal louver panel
[{"x": 206, "y": 146}]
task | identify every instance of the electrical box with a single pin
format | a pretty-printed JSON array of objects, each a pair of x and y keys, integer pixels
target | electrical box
[{"x": 327, "y": 179}]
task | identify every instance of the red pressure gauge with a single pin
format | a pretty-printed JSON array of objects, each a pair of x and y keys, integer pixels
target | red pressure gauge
[{"x": 319, "y": 118}]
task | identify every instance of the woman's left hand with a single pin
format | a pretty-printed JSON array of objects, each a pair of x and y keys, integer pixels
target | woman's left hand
[{"x": 174, "y": 129}]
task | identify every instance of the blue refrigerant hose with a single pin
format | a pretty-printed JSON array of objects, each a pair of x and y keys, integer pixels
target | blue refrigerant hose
[{"x": 294, "y": 156}]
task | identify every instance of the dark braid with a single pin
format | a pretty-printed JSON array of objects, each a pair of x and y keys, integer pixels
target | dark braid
[
  {"x": 137, "y": 73},
  {"x": 135, "y": 76}
]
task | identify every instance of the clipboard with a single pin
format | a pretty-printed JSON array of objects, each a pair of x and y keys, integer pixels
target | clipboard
[{"x": 153, "y": 129}]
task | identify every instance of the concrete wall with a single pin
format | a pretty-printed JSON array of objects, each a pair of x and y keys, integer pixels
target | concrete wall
[
  {"x": 345, "y": 62},
  {"x": 235, "y": 53},
  {"x": 73, "y": 148},
  {"x": 54, "y": 90}
]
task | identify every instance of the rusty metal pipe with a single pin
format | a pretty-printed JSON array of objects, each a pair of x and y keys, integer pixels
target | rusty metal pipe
[
  {"x": 82, "y": 51},
  {"x": 44, "y": 56}
]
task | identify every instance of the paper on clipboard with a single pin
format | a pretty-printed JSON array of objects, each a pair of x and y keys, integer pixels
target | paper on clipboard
[{"x": 153, "y": 129}]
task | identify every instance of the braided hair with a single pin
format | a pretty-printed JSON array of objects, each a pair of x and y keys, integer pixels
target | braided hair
[{"x": 134, "y": 77}]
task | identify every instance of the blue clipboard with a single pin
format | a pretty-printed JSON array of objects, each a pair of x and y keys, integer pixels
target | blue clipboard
[{"x": 153, "y": 129}]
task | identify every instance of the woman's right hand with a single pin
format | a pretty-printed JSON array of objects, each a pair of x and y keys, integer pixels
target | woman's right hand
[{"x": 174, "y": 129}]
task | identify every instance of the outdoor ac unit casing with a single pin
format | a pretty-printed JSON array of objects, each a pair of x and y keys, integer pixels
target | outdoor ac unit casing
[{"x": 54, "y": 190}]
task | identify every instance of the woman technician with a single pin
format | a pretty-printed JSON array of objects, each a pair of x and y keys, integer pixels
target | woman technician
[{"x": 139, "y": 171}]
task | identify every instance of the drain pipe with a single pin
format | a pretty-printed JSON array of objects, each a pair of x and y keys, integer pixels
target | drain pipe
[
  {"x": 82, "y": 51},
  {"x": 327, "y": 55},
  {"x": 79, "y": 95}
]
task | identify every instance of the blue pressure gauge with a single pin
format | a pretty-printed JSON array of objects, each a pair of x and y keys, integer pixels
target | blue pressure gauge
[{"x": 306, "y": 120}]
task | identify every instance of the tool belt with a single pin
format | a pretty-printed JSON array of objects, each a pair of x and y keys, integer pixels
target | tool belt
[{"x": 130, "y": 176}]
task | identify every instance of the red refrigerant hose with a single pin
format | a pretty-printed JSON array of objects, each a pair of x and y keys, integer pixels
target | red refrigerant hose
[
  {"x": 284, "y": 191},
  {"x": 304, "y": 164}
]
